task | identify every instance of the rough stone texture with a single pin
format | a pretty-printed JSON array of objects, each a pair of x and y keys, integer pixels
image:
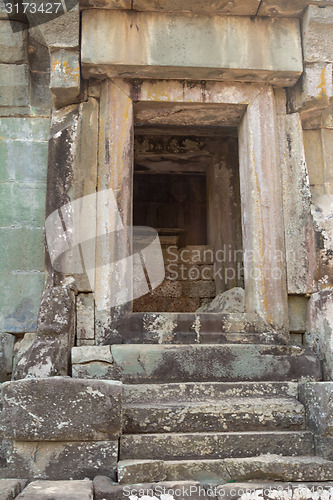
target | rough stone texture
[
  {"x": 194, "y": 446},
  {"x": 49, "y": 353},
  {"x": 313, "y": 92},
  {"x": 10, "y": 488},
  {"x": 59, "y": 490},
  {"x": 139, "y": 471},
  {"x": 65, "y": 77},
  {"x": 317, "y": 34},
  {"x": 278, "y": 490},
  {"x": 234, "y": 414},
  {"x": 13, "y": 45},
  {"x": 21, "y": 347},
  {"x": 285, "y": 8},
  {"x": 318, "y": 400},
  {"x": 231, "y": 301},
  {"x": 61, "y": 409},
  {"x": 189, "y": 47},
  {"x": 6, "y": 355},
  {"x": 63, "y": 460},
  {"x": 60, "y": 33},
  {"x": 14, "y": 85},
  {"x": 190, "y": 363},
  {"x": 298, "y": 222},
  {"x": 319, "y": 333},
  {"x": 266, "y": 467},
  {"x": 216, "y": 391},
  {"x": 23, "y": 165},
  {"x": 243, "y": 7},
  {"x": 85, "y": 318},
  {"x": 324, "y": 447}
]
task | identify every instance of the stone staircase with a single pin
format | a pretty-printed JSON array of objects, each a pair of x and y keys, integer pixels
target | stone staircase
[{"x": 215, "y": 414}]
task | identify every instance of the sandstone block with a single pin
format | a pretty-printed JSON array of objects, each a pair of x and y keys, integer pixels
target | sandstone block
[
  {"x": 13, "y": 48},
  {"x": 242, "y": 7},
  {"x": 65, "y": 77},
  {"x": 297, "y": 306},
  {"x": 6, "y": 355},
  {"x": 62, "y": 460},
  {"x": 21, "y": 347},
  {"x": 319, "y": 333},
  {"x": 61, "y": 409},
  {"x": 317, "y": 34},
  {"x": 61, "y": 32},
  {"x": 318, "y": 399},
  {"x": 10, "y": 488},
  {"x": 139, "y": 471},
  {"x": 86, "y": 354},
  {"x": 313, "y": 91},
  {"x": 14, "y": 85},
  {"x": 189, "y": 46},
  {"x": 324, "y": 447},
  {"x": 58, "y": 490},
  {"x": 96, "y": 370}
]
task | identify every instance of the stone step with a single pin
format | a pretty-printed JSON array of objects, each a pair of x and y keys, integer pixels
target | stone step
[
  {"x": 192, "y": 328},
  {"x": 205, "y": 391},
  {"x": 269, "y": 490},
  {"x": 150, "y": 363},
  {"x": 194, "y": 446},
  {"x": 58, "y": 490},
  {"x": 264, "y": 467},
  {"x": 194, "y": 490},
  {"x": 229, "y": 415}
]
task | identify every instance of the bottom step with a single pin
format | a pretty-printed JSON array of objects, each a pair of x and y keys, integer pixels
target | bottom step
[
  {"x": 190, "y": 490},
  {"x": 264, "y": 467}
]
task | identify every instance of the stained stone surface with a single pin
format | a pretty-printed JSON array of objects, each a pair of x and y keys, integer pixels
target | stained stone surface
[
  {"x": 318, "y": 399},
  {"x": 6, "y": 355},
  {"x": 61, "y": 409},
  {"x": 188, "y": 47},
  {"x": 63, "y": 460},
  {"x": 10, "y": 488},
  {"x": 58, "y": 490},
  {"x": 137, "y": 471}
]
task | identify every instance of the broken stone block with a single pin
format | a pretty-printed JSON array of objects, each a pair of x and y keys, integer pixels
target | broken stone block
[
  {"x": 21, "y": 347},
  {"x": 61, "y": 409},
  {"x": 86, "y": 354},
  {"x": 318, "y": 399},
  {"x": 62, "y": 460},
  {"x": 313, "y": 91},
  {"x": 139, "y": 471},
  {"x": 58, "y": 490},
  {"x": 65, "y": 77},
  {"x": 6, "y": 355},
  {"x": 49, "y": 353},
  {"x": 231, "y": 301},
  {"x": 319, "y": 333},
  {"x": 10, "y": 488}
]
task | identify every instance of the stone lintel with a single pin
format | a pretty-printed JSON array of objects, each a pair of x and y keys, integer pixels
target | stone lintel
[{"x": 149, "y": 45}]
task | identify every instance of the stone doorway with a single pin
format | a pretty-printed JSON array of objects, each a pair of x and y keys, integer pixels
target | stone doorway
[{"x": 186, "y": 186}]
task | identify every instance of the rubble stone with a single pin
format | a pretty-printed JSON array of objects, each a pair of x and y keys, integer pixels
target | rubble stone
[{"x": 231, "y": 301}]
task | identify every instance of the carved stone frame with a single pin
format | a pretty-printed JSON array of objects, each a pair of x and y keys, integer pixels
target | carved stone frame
[{"x": 260, "y": 183}]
